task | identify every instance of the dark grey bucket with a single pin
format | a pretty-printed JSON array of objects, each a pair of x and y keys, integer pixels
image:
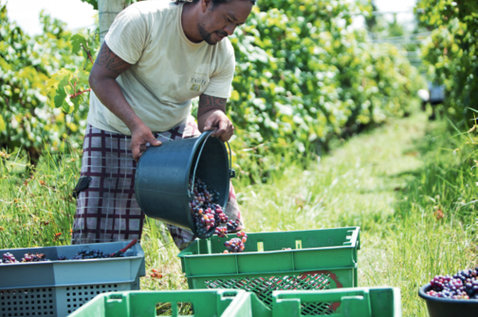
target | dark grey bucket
[
  {"x": 446, "y": 307},
  {"x": 163, "y": 172}
]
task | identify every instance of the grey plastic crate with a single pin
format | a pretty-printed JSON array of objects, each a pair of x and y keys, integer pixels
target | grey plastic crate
[{"x": 57, "y": 288}]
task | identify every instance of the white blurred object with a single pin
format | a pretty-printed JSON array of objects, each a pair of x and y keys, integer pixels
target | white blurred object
[{"x": 424, "y": 94}]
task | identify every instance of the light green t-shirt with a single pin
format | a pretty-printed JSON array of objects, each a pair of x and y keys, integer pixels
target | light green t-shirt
[{"x": 168, "y": 69}]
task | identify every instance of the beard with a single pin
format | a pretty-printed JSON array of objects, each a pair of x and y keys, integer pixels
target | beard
[{"x": 207, "y": 36}]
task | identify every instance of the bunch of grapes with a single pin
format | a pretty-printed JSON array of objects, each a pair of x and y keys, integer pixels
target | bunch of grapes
[
  {"x": 205, "y": 212},
  {"x": 232, "y": 225},
  {"x": 243, "y": 236},
  {"x": 38, "y": 257},
  {"x": 221, "y": 232},
  {"x": 92, "y": 254},
  {"x": 463, "y": 285},
  {"x": 236, "y": 244},
  {"x": 8, "y": 258}
]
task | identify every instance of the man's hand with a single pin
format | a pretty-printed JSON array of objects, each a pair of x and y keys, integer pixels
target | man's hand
[
  {"x": 212, "y": 116},
  {"x": 218, "y": 121},
  {"x": 141, "y": 138}
]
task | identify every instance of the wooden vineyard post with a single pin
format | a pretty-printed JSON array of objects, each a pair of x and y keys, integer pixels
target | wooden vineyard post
[{"x": 107, "y": 10}]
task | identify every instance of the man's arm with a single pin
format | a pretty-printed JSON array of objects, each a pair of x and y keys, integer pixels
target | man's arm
[
  {"x": 212, "y": 116},
  {"x": 107, "y": 67}
]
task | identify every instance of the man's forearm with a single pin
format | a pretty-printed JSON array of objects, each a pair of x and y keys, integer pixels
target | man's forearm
[{"x": 207, "y": 106}]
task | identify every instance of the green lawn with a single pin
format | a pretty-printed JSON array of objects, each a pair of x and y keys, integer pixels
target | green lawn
[{"x": 395, "y": 182}]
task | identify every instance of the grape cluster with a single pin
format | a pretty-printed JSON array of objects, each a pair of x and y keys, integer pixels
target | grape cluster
[
  {"x": 37, "y": 257},
  {"x": 205, "y": 212},
  {"x": 221, "y": 232},
  {"x": 236, "y": 244},
  {"x": 9, "y": 258},
  {"x": 232, "y": 225},
  {"x": 463, "y": 285},
  {"x": 40, "y": 257},
  {"x": 92, "y": 254}
]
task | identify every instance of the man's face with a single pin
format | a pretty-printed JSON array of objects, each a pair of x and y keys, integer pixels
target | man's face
[{"x": 221, "y": 20}]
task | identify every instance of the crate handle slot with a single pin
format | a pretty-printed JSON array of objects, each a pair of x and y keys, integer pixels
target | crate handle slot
[
  {"x": 298, "y": 244},
  {"x": 354, "y": 236},
  {"x": 115, "y": 298},
  {"x": 344, "y": 303},
  {"x": 260, "y": 246}
]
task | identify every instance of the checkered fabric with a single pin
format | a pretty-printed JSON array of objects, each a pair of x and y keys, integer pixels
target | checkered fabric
[{"x": 107, "y": 210}]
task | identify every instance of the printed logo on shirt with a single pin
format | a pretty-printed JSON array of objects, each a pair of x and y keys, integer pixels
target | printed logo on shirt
[{"x": 198, "y": 82}]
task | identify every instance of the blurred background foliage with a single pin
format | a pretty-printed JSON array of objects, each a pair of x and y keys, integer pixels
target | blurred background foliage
[
  {"x": 30, "y": 69},
  {"x": 305, "y": 78},
  {"x": 450, "y": 54}
]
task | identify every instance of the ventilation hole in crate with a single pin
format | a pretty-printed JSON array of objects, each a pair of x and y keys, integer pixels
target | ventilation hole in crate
[
  {"x": 75, "y": 298},
  {"x": 164, "y": 309},
  {"x": 263, "y": 286},
  {"x": 27, "y": 302},
  {"x": 185, "y": 309}
]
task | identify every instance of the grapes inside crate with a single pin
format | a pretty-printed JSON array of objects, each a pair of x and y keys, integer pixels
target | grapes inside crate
[{"x": 59, "y": 287}]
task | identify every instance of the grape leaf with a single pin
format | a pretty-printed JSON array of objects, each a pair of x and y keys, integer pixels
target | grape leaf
[
  {"x": 76, "y": 41},
  {"x": 60, "y": 96}
]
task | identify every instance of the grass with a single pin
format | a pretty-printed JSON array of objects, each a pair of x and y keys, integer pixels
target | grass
[{"x": 409, "y": 185}]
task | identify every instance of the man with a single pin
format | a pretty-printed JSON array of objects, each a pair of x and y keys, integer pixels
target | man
[{"x": 157, "y": 56}]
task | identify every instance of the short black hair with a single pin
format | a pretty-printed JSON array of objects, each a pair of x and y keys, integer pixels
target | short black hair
[{"x": 216, "y": 2}]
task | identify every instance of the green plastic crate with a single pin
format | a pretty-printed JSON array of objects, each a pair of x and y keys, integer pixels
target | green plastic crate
[
  {"x": 317, "y": 259},
  {"x": 345, "y": 302},
  {"x": 199, "y": 303}
]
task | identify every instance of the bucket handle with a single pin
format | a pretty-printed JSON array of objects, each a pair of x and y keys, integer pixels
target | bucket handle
[{"x": 232, "y": 173}]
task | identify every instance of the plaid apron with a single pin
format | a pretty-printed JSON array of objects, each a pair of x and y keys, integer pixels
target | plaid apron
[{"x": 107, "y": 209}]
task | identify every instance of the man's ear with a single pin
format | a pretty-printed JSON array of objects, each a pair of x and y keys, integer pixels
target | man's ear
[{"x": 205, "y": 4}]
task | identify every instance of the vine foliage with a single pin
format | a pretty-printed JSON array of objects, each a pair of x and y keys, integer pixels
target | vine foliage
[
  {"x": 42, "y": 85},
  {"x": 451, "y": 54}
]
